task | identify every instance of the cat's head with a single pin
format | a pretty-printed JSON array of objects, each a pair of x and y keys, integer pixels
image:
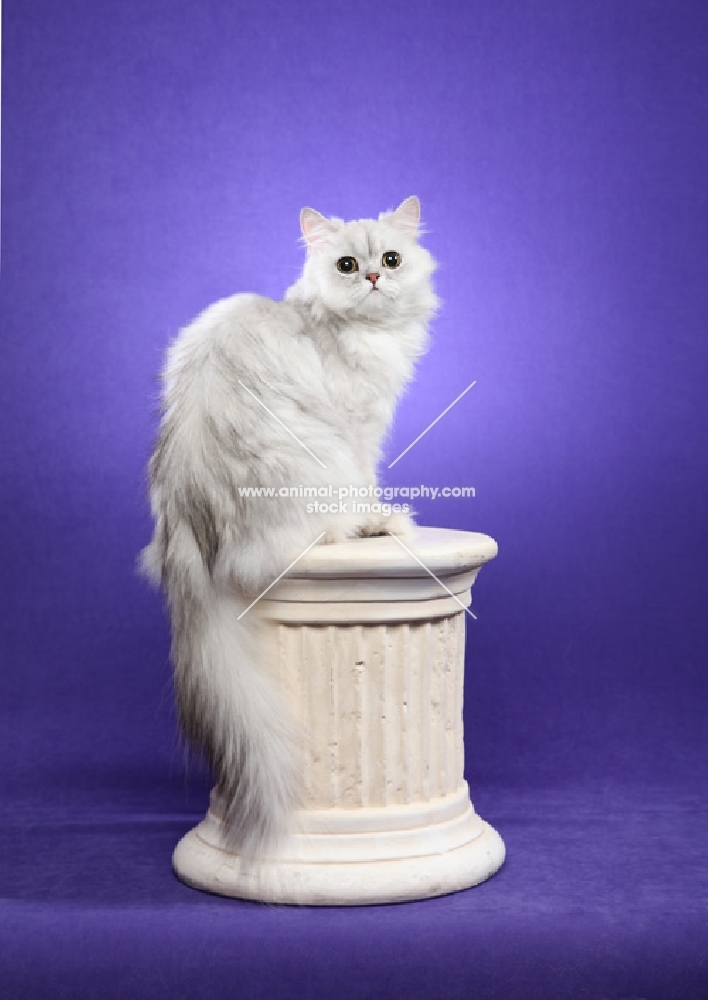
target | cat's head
[{"x": 372, "y": 269}]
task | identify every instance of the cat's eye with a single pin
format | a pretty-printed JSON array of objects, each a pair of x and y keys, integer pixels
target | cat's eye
[
  {"x": 347, "y": 265},
  {"x": 391, "y": 259}
]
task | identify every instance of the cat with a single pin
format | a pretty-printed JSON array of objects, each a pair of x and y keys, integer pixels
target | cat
[{"x": 269, "y": 393}]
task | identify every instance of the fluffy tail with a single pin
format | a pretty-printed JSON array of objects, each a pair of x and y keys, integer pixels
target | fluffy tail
[{"x": 228, "y": 705}]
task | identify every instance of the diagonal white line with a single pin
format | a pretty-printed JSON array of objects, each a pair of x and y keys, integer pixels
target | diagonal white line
[
  {"x": 430, "y": 573},
  {"x": 433, "y": 423},
  {"x": 281, "y": 575},
  {"x": 281, "y": 423}
]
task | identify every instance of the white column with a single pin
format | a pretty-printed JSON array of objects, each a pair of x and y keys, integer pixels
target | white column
[{"x": 369, "y": 649}]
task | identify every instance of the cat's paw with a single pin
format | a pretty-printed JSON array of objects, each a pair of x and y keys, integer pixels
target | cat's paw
[
  {"x": 394, "y": 524},
  {"x": 399, "y": 523},
  {"x": 375, "y": 526},
  {"x": 338, "y": 535}
]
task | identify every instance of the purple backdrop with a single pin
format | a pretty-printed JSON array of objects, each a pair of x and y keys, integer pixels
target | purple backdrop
[{"x": 154, "y": 158}]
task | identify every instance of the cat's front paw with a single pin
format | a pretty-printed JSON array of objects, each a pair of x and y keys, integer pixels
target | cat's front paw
[
  {"x": 376, "y": 526},
  {"x": 394, "y": 524},
  {"x": 337, "y": 535},
  {"x": 399, "y": 523}
]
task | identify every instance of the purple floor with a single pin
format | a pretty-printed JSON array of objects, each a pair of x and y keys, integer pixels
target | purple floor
[{"x": 598, "y": 898}]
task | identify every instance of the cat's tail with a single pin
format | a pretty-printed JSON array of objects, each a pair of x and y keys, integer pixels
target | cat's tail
[{"x": 227, "y": 703}]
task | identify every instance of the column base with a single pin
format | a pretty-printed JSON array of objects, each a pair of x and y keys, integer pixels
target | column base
[{"x": 341, "y": 858}]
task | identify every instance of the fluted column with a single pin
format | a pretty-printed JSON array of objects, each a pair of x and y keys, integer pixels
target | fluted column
[
  {"x": 369, "y": 649},
  {"x": 381, "y": 706}
]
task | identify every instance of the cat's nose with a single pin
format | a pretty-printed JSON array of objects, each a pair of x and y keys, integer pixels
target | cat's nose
[{"x": 373, "y": 277}]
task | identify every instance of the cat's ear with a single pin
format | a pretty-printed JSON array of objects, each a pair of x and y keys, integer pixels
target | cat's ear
[
  {"x": 407, "y": 215},
  {"x": 316, "y": 229}
]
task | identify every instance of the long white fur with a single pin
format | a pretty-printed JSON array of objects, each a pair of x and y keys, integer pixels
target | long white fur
[{"x": 329, "y": 361}]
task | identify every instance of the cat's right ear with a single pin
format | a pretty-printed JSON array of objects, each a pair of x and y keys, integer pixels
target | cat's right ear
[{"x": 316, "y": 229}]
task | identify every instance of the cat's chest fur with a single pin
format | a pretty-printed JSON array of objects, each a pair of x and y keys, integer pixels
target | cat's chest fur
[{"x": 365, "y": 368}]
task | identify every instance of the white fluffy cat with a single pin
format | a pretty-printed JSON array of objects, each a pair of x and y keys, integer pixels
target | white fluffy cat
[{"x": 329, "y": 362}]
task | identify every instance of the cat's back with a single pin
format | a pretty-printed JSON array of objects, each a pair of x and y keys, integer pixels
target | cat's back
[
  {"x": 240, "y": 355},
  {"x": 242, "y": 333}
]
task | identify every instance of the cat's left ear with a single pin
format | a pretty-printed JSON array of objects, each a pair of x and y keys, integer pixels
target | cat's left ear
[
  {"x": 407, "y": 216},
  {"x": 316, "y": 229}
]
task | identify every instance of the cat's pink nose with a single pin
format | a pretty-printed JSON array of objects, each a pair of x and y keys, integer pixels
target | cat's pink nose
[{"x": 373, "y": 277}]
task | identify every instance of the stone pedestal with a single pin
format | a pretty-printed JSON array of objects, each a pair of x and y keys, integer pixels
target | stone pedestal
[{"x": 370, "y": 650}]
